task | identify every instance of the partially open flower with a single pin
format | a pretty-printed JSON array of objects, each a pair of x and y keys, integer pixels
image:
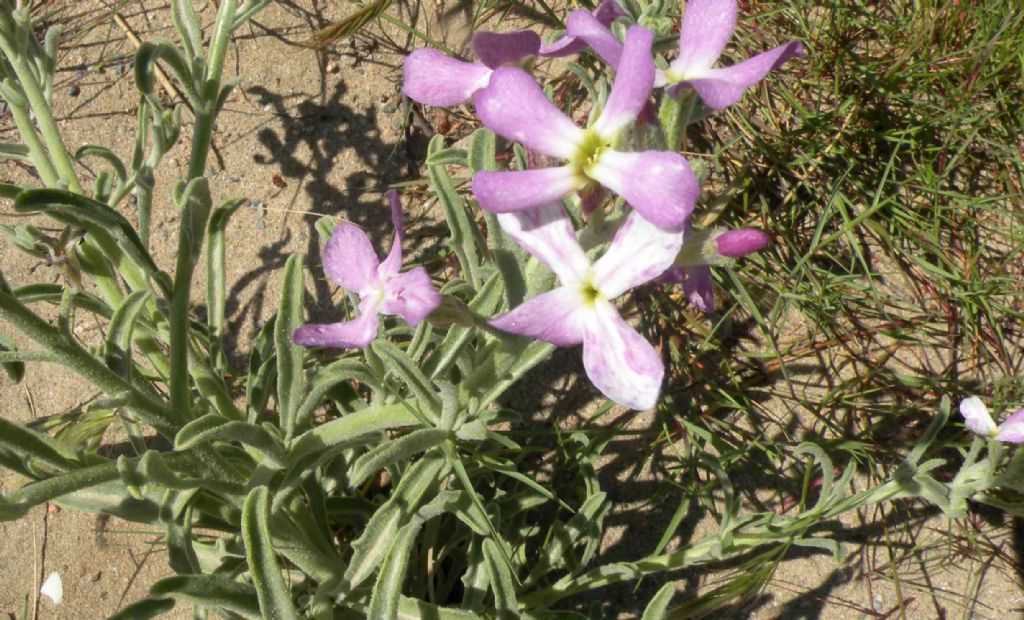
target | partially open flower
[
  {"x": 658, "y": 184},
  {"x": 979, "y": 421},
  {"x": 349, "y": 260},
  {"x": 704, "y": 249}
]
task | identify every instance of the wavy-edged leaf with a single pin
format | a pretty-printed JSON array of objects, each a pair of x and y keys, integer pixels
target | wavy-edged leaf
[
  {"x": 465, "y": 239},
  {"x": 212, "y": 427},
  {"x": 447, "y": 157},
  {"x": 102, "y": 223},
  {"x": 290, "y": 379},
  {"x": 326, "y": 379},
  {"x": 275, "y": 599},
  {"x": 371, "y": 546},
  {"x": 118, "y": 345},
  {"x": 161, "y": 49},
  {"x": 399, "y": 363},
  {"x": 387, "y": 590},
  {"x": 216, "y": 287},
  {"x": 210, "y": 591},
  {"x": 94, "y": 150},
  {"x": 389, "y": 452},
  {"x": 502, "y": 582}
]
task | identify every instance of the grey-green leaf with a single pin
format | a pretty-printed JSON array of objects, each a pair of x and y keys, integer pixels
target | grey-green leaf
[
  {"x": 274, "y": 596},
  {"x": 290, "y": 379}
]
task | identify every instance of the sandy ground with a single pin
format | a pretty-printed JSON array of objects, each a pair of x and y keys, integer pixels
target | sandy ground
[{"x": 321, "y": 133}]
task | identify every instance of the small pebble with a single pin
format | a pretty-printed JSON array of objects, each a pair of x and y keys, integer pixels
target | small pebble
[
  {"x": 333, "y": 67},
  {"x": 74, "y": 91},
  {"x": 267, "y": 107},
  {"x": 389, "y": 107}
]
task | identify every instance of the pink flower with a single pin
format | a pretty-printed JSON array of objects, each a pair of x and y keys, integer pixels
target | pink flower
[
  {"x": 979, "y": 421},
  {"x": 658, "y": 184},
  {"x": 618, "y": 360},
  {"x": 706, "y": 28},
  {"x": 349, "y": 260}
]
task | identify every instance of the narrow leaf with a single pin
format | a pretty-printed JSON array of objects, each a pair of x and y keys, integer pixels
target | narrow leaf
[
  {"x": 274, "y": 596},
  {"x": 290, "y": 379}
]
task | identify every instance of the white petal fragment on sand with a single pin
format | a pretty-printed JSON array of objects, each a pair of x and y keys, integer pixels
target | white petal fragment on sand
[{"x": 53, "y": 588}]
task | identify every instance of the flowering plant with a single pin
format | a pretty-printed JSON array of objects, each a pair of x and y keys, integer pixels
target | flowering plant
[{"x": 382, "y": 465}]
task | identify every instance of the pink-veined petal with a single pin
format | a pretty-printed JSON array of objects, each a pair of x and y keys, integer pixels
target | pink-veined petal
[
  {"x": 634, "y": 79},
  {"x": 517, "y": 190},
  {"x": 433, "y": 78},
  {"x": 699, "y": 288},
  {"x": 618, "y": 360},
  {"x": 587, "y": 28},
  {"x": 639, "y": 253},
  {"x": 1012, "y": 428},
  {"x": 706, "y": 29},
  {"x": 547, "y": 233},
  {"x": 356, "y": 333},
  {"x": 515, "y": 107},
  {"x": 393, "y": 263},
  {"x": 720, "y": 88},
  {"x": 658, "y": 184},
  {"x": 977, "y": 417},
  {"x": 410, "y": 295},
  {"x": 495, "y": 49},
  {"x": 349, "y": 259},
  {"x": 554, "y": 316}
]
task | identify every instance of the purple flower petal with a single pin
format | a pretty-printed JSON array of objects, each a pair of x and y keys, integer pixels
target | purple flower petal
[
  {"x": 706, "y": 28},
  {"x": 495, "y": 49},
  {"x": 389, "y": 268},
  {"x": 410, "y": 295},
  {"x": 547, "y": 233},
  {"x": 634, "y": 79},
  {"x": 517, "y": 190},
  {"x": 356, "y": 333},
  {"x": 742, "y": 241},
  {"x": 432, "y": 78},
  {"x": 720, "y": 88},
  {"x": 605, "y": 14},
  {"x": 619, "y": 361},
  {"x": 639, "y": 253},
  {"x": 553, "y": 317},
  {"x": 977, "y": 417},
  {"x": 1012, "y": 428},
  {"x": 658, "y": 184},
  {"x": 587, "y": 28},
  {"x": 699, "y": 288},
  {"x": 349, "y": 259},
  {"x": 515, "y": 107}
]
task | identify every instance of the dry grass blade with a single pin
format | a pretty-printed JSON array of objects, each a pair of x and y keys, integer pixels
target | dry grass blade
[{"x": 348, "y": 26}]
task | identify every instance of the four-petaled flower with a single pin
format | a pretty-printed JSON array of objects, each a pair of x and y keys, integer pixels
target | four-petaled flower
[
  {"x": 658, "y": 184},
  {"x": 706, "y": 28},
  {"x": 979, "y": 421},
  {"x": 618, "y": 360},
  {"x": 349, "y": 260}
]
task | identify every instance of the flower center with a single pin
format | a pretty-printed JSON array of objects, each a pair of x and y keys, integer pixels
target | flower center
[
  {"x": 589, "y": 293},
  {"x": 588, "y": 154}
]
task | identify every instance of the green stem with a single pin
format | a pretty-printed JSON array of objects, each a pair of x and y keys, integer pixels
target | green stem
[
  {"x": 202, "y": 138},
  {"x": 40, "y": 159},
  {"x": 44, "y": 117}
]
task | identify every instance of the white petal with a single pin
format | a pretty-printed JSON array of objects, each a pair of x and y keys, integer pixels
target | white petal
[
  {"x": 53, "y": 588},
  {"x": 547, "y": 233},
  {"x": 976, "y": 416},
  {"x": 618, "y": 360},
  {"x": 639, "y": 253}
]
